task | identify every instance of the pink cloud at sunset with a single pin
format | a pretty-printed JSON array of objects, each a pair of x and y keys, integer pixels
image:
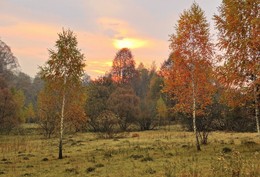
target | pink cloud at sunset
[{"x": 101, "y": 28}]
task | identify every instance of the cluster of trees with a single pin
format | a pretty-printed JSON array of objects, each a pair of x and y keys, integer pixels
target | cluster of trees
[
  {"x": 196, "y": 87},
  {"x": 202, "y": 90},
  {"x": 18, "y": 92},
  {"x": 206, "y": 92},
  {"x": 131, "y": 94}
]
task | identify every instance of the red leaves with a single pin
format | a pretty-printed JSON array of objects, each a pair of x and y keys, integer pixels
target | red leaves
[
  {"x": 191, "y": 58},
  {"x": 123, "y": 69}
]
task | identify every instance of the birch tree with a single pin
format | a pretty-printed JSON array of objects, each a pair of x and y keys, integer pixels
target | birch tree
[
  {"x": 188, "y": 79},
  {"x": 238, "y": 23},
  {"x": 62, "y": 75}
]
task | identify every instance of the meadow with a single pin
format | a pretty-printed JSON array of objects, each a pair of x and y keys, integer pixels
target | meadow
[{"x": 161, "y": 152}]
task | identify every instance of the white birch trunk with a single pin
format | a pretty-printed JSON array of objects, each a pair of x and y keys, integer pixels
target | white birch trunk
[
  {"x": 194, "y": 112},
  {"x": 256, "y": 110},
  {"x": 62, "y": 118}
]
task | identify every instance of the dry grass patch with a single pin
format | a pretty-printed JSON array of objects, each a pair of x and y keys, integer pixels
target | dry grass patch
[{"x": 152, "y": 153}]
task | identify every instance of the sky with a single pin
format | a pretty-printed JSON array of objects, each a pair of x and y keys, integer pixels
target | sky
[{"x": 102, "y": 27}]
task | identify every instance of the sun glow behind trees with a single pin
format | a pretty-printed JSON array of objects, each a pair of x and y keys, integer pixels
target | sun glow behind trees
[
  {"x": 129, "y": 43},
  {"x": 189, "y": 80}
]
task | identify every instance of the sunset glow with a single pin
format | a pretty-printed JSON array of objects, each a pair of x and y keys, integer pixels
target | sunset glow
[
  {"x": 129, "y": 43},
  {"x": 102, "y": 28},
  {"x": 129, "y": 88}
]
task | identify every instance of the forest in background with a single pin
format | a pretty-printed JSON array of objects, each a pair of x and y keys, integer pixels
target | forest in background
[{"x": 218, "y": 91}]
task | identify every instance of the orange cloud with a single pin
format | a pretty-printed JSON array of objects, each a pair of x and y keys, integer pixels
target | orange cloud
[
  {"x": 99, "y": 66},
  {"x": 30, "y": 40},
  {"x": 122, "y": 33},
  {"x": 98, "y": 71},
  {"x": 101, "y": 63},
  {"x": 28, "y": 30}
]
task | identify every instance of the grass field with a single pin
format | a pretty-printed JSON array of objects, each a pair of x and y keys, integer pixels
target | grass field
[{"x": 153, "y": 153}]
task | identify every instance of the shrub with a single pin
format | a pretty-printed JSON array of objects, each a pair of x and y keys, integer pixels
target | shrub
[
  {"x": 226, "y": 150},
  {"x": 107, "y": 124},
  {"x": 90, "y": 169}
]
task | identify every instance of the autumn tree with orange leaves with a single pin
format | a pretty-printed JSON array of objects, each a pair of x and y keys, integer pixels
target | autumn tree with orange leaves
[
  {"x": 188, "y": 81},
  {"x": 238, "y": 23},
  {"x": 123, "y": 68},
  {"x": 62, "y": 74}
]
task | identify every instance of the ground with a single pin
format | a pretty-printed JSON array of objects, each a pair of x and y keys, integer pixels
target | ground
[{"x": 150, "y": 153}]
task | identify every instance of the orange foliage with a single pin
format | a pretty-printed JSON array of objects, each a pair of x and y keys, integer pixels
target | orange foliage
[
  {"x": 239, "y": 39},
  {"x": 179, "y": 85},
  {"x": 191, "y": 66}
]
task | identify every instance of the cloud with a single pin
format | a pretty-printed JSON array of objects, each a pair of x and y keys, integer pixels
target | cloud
[
  {"x": 103, "y": 63},
  {"x": 114, "y": 28},
  {"x": 103, "y": 8},
  {"x": 99, "y": 66},
  {"x": 98, "y": 71},
  {"x": 6, "y": 20},
  {"x": 30, "y": 40},
  {"x": 122, "y": 33}
]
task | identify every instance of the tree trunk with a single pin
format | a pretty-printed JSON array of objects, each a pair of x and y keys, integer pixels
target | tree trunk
[
  {"x": 3, "y": 113},
  {"x": 159, "y": 126},
  {"x": 203, "y": 137},
  {"x": 256, "y": 109},
  {"x": 62, "y": 118},
  {"x": 194, "y": 115}
]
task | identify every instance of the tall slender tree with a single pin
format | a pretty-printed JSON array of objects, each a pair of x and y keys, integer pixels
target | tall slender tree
[
  {"x": 188, "y": 81},
  {"x": 238, "y": 23},
  {"x": 123, "y": 69},
  {"x": 62, "y": 73}
]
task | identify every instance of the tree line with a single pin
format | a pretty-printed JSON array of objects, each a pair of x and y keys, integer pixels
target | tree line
[{"x": 201, "y": 85}]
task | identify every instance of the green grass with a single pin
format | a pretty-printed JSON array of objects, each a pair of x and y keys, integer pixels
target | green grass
[{"x": 153, "y": 153}]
